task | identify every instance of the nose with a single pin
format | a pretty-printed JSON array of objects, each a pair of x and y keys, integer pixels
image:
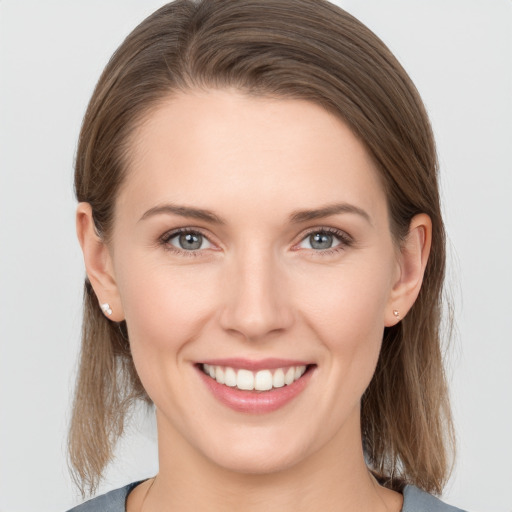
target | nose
[{"x": 256, "y": 302}]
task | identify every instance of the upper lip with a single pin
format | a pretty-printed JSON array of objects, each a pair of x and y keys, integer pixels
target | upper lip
[{"x": 255, "y": 365}]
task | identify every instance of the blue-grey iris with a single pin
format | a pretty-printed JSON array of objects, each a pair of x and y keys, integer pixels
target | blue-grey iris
[
  {"x": 190, "y": 241},
  {"x": 321, "y": 240}
]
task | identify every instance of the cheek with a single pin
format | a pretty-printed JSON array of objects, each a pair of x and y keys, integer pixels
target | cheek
[
  {"x": 164, "y": 303},
  {"x": 349, "y": 298},
  {"x": 165, "y": 308},
  {"x": 347, "y": 315}
]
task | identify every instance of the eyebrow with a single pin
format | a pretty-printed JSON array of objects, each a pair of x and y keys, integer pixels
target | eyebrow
[
  {"x": 296, "y": 217},
  {"x": 326, "y": 211},
  {"x": 184, "y": 211}
]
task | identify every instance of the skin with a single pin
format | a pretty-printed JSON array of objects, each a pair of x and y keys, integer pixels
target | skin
[{"x": 256, "y": 288}]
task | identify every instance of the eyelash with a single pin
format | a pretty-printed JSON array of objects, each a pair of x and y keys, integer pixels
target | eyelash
[{"x": 344, "y": 239}]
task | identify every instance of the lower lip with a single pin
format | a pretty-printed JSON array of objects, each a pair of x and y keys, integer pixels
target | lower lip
[{"x": 253, "y": 401}]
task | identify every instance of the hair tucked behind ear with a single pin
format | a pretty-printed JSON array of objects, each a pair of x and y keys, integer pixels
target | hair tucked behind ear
[{"x": 304, "y": 49}]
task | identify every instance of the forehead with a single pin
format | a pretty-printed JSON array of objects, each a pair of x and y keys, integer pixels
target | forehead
[{"x": 219, "y": 148}]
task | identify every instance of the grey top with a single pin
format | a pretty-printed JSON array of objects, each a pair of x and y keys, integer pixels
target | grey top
[{"x": 115, "y": 501}]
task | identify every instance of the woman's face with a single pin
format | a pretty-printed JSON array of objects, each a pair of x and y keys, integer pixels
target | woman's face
[{"x": 252, "y": 235}]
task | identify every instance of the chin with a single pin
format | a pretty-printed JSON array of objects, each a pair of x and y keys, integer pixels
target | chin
[
  {"x": 256, "y": 454},
  {"x": 255, "y": 464}
]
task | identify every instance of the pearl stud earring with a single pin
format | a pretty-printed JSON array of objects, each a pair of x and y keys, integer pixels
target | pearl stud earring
[
  {"x": 106, "y": 308},
  {"x": 396, "y": 313}
]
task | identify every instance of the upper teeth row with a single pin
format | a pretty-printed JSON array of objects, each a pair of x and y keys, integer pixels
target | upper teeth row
[{"x": 262, "y": 380}]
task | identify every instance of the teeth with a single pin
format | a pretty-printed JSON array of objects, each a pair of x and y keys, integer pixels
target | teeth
[
  {"x": 289, "y": 376},
  {"x": 219, "y": 375},
  {"x": 278, "y": 378},
  {"x": 263, "y": 380},
  {"x": 230, "y": 377},
  {"x": 246, "y": 380}
]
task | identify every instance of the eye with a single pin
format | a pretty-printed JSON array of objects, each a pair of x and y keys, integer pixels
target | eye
[
  {"x": 187, "y": 240},
  {"x": 325, "y": 239}
]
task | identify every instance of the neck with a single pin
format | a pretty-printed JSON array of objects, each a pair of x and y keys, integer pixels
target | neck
[{"x": 335, "y": 478}]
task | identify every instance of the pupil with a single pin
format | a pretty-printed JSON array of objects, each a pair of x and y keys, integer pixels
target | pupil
[
  {"x": 321, "y": 241},
  {"x": 190, "y": 241}
]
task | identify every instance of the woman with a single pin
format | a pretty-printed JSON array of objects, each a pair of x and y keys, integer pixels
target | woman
[{"x": 260, "y": 221}]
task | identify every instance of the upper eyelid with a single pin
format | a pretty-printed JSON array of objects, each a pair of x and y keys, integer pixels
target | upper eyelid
[
  {"x": 325, "y": 229},
  {"x": 173, "y": 232}
]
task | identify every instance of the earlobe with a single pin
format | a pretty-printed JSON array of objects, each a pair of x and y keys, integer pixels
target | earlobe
[
  {"x": 98, "y": 264},
  {"x": 413, "y": 258}
]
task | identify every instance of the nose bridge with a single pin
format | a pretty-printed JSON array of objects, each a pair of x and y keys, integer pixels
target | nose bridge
[{"x": 255, "y": 298}]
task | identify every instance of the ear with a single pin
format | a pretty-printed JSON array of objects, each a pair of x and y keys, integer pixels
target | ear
[
  {"x": 98, "y": 263},
  {"x": 413, "y": 257}
]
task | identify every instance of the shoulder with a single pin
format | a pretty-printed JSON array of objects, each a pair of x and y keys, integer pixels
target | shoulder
[
  {"x": 416, "y": 500},
  {"x": 113, "y": 501}
]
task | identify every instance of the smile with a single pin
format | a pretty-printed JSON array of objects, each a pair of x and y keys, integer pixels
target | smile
[
  {"x": 255, "y": 387},
  {"x": 247, "y": 380}
]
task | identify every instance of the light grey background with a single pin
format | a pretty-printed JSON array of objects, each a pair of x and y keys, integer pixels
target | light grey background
[{"x": 458, "y": 52}]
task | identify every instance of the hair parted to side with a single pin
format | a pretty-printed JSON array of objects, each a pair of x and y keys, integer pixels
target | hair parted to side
[{"x": 303, "y": 49}]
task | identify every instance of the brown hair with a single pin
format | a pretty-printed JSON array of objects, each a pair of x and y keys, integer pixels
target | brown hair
[{"x": 304, "y": 49}]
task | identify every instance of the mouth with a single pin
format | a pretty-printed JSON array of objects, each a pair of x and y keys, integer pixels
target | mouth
[
  {"x": 255, "y": 387},
  {"x": 248, "y": 380}
]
